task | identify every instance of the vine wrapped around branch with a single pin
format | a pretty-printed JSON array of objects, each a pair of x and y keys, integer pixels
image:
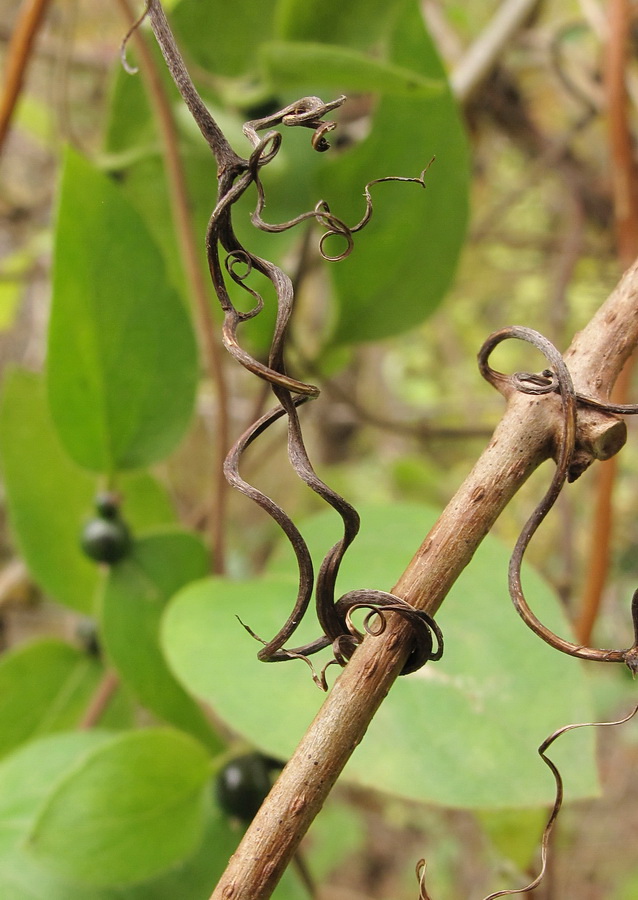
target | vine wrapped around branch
[{"x": 229, "y": 258}]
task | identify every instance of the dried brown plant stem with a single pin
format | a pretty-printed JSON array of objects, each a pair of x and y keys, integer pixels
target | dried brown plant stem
[
  {"x": 100, "y": 700},
  {"x": 191, "y": 257},
  {"x": 625, "y": 192},
  {"x": 29, "y": 20},
  {"x": 525, "y": 437}
]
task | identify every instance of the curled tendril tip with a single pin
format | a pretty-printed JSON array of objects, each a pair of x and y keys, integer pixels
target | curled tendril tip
[
  {"x": 553, "y": 380},
  {"x": 226, "y": 254},
  {"x": 128, "y": 68}
]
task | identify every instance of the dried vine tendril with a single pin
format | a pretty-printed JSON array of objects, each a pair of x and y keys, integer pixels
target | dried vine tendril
[
  {"x": 228, "y": 259},
  {"x": 558, "y": 802},
  {"x": 553, "y": 380},
  {"x": 335, "y": 616}
]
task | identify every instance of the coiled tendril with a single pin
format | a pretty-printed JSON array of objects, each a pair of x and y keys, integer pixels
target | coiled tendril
[
  {"x": 227, "y": 256},
  {"x": 553, "y": 380}
]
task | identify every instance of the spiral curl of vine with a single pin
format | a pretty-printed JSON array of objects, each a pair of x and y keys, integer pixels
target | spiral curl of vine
[
  {"x": 556, "y": 379},
  {"x": 238, "y": 263}
]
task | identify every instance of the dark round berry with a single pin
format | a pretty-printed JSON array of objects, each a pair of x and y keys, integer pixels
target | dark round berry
[
  {"x": 106, "y": 540},
  {"x": 242, "y": 785},
  {"x": 107, "y": 505}
]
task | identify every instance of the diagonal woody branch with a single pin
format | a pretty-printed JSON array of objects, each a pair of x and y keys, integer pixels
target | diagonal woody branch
[{"x": 526, "y": 436}]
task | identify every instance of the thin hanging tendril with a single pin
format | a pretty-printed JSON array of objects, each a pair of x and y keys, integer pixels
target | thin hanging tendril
[
  {"x": 558, "y": 802},
  {"x": 553, "y": 380}
]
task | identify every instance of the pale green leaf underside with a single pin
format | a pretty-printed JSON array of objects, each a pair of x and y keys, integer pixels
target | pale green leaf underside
[{"x": 460, "y": 732}]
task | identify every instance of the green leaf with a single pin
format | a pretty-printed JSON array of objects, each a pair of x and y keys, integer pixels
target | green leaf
[
  {"x": 461, "y": 732},
  {"x": 44, "y": 687},
  {"x": 219, "y": 42},
  {"x": 515, "y": 833},
  {"x": 357, "y": 23},
  {"x": 133, "y": 808},
  {"x": 135, "y": 595},
  {"x": 146, "y": 504},
  {"x": 291, "y": 64},
  {"x": 27, "y": 776},
  {"x": 47, "y": 494},
  {"x": 403, "y": 262},
  {"x": 49, "y": 497},
  {"x": 122, "y": 362}
]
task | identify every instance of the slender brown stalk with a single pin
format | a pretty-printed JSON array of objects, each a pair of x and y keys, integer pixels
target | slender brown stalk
[
  {"x": 100, "y": 700},
  {"x": 29, "y": 20},
  {"x": 200, "y": 292},
  {"x": 625, "y": 190},
  {"x": 525, "y": 437}
]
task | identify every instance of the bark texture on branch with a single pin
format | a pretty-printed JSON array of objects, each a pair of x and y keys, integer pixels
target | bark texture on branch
[{"x": 526, "y": 436}]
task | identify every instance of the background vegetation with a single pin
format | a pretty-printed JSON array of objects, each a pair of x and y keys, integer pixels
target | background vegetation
[{"x": 111, "y": 382}]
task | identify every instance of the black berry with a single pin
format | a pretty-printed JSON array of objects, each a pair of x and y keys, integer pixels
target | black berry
[
  {"x": 242, "y": 785},
  {"x": 106, "y": 540}
]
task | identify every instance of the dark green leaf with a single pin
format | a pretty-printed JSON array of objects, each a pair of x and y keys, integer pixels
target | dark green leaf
[
  {"x": 358, "y": 23},
  {"x": 404, "y": 260},
  {"x": 297, "y": 64},
  {"x": 134, "y": 807},
  {"x": 219, "y": 42},
  {"x": 122, "y": 363},
  {"x": 135, "y": 595},
  {"x": 461, "y": 732}
]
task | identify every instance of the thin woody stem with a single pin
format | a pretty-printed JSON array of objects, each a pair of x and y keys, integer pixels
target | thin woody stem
[
  {"x": 224, "y": 153},
  {"x": 210, "y": 347},
  {"x": 525, "y": 437},
  {"x": 29, "y": 20}
]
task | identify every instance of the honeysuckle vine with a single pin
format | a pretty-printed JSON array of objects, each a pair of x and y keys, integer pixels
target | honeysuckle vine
[
  {"x": 228, "y": 258},
  {"x": 553, "y": 380},
  {"x": 572, "y": 426}
]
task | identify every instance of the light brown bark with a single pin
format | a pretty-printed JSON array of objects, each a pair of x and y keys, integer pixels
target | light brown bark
[{"x": 524, "y": 438}]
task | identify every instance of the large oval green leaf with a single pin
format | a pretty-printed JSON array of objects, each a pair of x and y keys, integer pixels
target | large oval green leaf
[
  {"x": 358, "y": 23},
  {"x": 461, "y": 732},
  {"x": 134, "y": 807},
  {"x": 28, "y": 778},
  {"x": 122, "y": 362},
  {"x": 291, "y": 64}
]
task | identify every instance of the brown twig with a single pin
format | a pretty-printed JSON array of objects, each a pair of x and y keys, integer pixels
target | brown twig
[
  {"x": 216, "y": 513},
  {"x": 531, "y": 431},
  {"x": 29, "y": 20},
  {"x": 522, "y": 441},
  {"x": 100, "y": 700},
  {"x": 625, "y": 191}
]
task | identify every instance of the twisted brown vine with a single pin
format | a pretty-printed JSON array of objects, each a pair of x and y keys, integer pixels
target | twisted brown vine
[
  {"x": 554, "y": 380},
  {"x": 334, "y": 616},
  {"x": 236, "y": 175}
]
